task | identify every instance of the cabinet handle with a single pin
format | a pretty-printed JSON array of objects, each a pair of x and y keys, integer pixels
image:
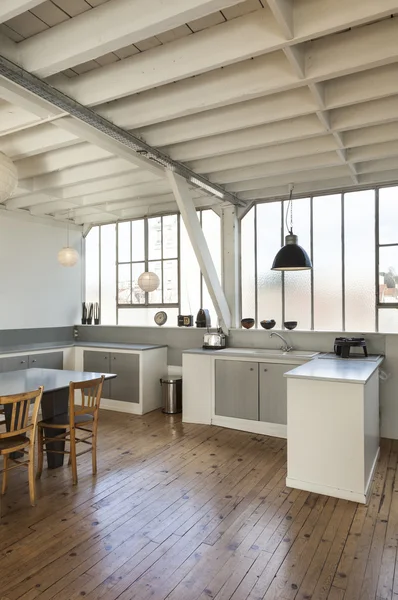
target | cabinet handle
[
  {"x": 251, "y": 368},
  {"x": 265, "y": 370},
  {"x": 34, "y": 360},
  {"x": 23, "y": 362}
]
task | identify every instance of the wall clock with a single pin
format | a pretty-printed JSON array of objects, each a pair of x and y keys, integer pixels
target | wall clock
[{"x": 160, "y": 317}]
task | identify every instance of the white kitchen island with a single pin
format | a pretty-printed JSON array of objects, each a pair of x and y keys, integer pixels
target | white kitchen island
[{"x": 333, "y": 426}]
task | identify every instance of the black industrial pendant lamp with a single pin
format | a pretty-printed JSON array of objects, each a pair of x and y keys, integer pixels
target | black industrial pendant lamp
[{"x": 291, "y": 257}]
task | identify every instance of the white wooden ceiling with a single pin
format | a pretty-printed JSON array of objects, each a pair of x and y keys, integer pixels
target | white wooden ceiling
[{"x": 255, "y": 95}]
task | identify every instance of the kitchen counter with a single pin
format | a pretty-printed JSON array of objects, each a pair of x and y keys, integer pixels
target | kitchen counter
[
  {"x": 118, "y": 346},
  {"x": 260, "y": 354},
  {"x": 342, "y": 370},
  {"x": 27, "y": 348}
]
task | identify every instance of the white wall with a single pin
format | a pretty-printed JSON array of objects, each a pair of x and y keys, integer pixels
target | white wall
[{"x": 35, "y": 290}]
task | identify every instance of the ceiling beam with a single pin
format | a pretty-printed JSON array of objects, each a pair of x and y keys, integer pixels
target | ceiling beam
[
  {"x": 107, "y": 28},
  {"x": 206, "y": 50},
  {"x": 63, "y": 158},
  {"x": 236, "y": 160},
  {"x": 91, "y": 127},
  {"x": 189, "y": 215},
  {"x": 270, "y": 134},
  {"x": 12, "y": 8},
  {"x": 242, "y": 115},
  {"x": 300, "y": 189},
  {"x": 286, "y": 178},
  {"x": 293, "y": 165},
  {"x": 283, "y": 13}
]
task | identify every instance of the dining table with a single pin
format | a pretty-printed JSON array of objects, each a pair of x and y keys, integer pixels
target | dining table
[{"x": 55, "y": 399}]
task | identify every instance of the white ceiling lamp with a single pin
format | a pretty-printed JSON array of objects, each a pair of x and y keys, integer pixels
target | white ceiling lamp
[
  {"x": 8, "y": 177},
  {"x": 68, "y": 256},
  {"x": 148, "y": 281}
]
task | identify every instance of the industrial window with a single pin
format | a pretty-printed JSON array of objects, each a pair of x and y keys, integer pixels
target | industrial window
[
  {"x": 353, "y": 244},
  {"x": 116, "y": 254}
]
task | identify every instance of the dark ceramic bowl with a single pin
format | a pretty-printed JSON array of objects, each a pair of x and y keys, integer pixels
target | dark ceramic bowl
[
  {"x": 247, "y": 323},
  {"x": 268, "y": 324},
  {"x": 290, "y": 324}
]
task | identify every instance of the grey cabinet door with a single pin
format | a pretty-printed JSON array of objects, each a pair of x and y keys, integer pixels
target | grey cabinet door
[
  {"x": 273, "y": 393},
  {"x": 237, "y": 389},
  {"x": 98, "y": 362},
  {"x": 126, "y": 385},
  {"x": 49, "y": 360},
  {"x": 14, "y": 363}
]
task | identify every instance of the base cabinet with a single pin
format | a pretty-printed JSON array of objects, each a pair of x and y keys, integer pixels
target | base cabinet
[
  {"x": 237, "y": 389},
  {"x": 273, "y": 393},
  {"x": 46, "y": 360},
  {"x": 125, "y": 386},
  {"x": 251, "y": 390}
]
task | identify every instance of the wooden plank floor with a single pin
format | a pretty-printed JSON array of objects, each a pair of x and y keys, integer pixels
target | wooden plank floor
[{"x": 189, "y": 512}]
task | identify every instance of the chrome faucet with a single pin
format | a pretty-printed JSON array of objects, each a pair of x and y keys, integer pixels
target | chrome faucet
[{"x": 285, "y": 347}]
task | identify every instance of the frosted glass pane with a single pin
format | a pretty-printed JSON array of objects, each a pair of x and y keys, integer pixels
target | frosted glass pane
[
  {"x": 170, "y": 236},
  {"x": 327, "y": 265},
  {"x": 360, "y": 256},
  {"x": 388, "y": 274},
  {"x": 190, "y": 275},
  {"x": 108, "y": 274},
  {"x": 137, "y": 240},
  {"x": 144, "y": 317},
  {"x": 211, "y": 225},
  {"x": 170, "y": 281},
  {"x": 248, "y": 263},
  {"x": 154, "y": 238},
  {"x": 124, "y": 284},
  {"x": 156, "y": 297},
  {"x": 388, "y": 320},
  {"x": 388, "y": 215},
  {"x": 269, "y": 283},
  {"x": 92, "y": 265},
  {"x": 124, "y": 249},
  {"x": 137, "y": 295},
  {"x": 298, "y": 283}
]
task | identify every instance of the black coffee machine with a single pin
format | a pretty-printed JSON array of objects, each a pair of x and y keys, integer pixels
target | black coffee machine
[{"x": 343, "y": 345}]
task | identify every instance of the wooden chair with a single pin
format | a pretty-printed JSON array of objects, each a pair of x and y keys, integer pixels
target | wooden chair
[
  {"x": 16, "y": 438},
  {"x": 81, "y": 417}
]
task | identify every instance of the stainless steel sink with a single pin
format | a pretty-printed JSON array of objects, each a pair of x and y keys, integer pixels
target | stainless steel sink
[{"x": 269, "y": 353}]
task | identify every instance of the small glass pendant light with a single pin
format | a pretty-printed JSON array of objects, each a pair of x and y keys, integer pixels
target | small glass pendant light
[
  {"x": 68, "y": 256},
  {"x": 291, "y": 257}
]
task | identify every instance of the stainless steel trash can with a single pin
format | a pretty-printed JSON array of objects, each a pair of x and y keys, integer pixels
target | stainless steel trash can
[{"x": 171, "y": 394}]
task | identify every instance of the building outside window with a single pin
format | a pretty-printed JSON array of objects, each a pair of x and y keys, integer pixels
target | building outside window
[
  {"x": 352, "y": 240},
  {"x": 117, "y": 254}
]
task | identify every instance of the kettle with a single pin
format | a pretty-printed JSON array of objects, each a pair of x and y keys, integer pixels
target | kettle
[{"x": 203, "y": 318}]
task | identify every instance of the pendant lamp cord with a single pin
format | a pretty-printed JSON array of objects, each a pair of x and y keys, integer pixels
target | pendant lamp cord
[
  {"x": 290, "y": 210},
  {"x": 67, "y": 231}
]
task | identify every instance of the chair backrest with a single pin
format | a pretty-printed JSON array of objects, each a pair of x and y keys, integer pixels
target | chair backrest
[
  {"x": 90, "y": 396},
  {"x": 16, "y": 408}
]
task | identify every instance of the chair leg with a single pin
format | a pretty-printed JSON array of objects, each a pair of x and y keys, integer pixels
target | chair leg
[
  {"x": 40, "y": 452},
  {"x": 73, "y": 454},
  {"x": 31, "y": 472},
  {"x": 94, "y": 450},
  {"x": 5, "y": 474}
]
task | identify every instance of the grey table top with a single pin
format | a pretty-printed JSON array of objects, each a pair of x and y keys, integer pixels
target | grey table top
[
  {"x": 345, "y": 371},
  {"x": 16, "y": 382}
]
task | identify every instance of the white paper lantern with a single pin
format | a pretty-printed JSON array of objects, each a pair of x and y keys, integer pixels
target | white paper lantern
[
  {"x": 148, "y": 281},
  {"x": 8, "y": 177},
  {"x": 68, "y": 257}
]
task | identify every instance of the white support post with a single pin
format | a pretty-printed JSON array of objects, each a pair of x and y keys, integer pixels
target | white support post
[
  {"x": 230, "y": 261},
  {"x": 187, "y": 209}
]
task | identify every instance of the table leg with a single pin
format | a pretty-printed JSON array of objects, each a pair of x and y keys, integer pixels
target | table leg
[{"x": 55, "y": 403}]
